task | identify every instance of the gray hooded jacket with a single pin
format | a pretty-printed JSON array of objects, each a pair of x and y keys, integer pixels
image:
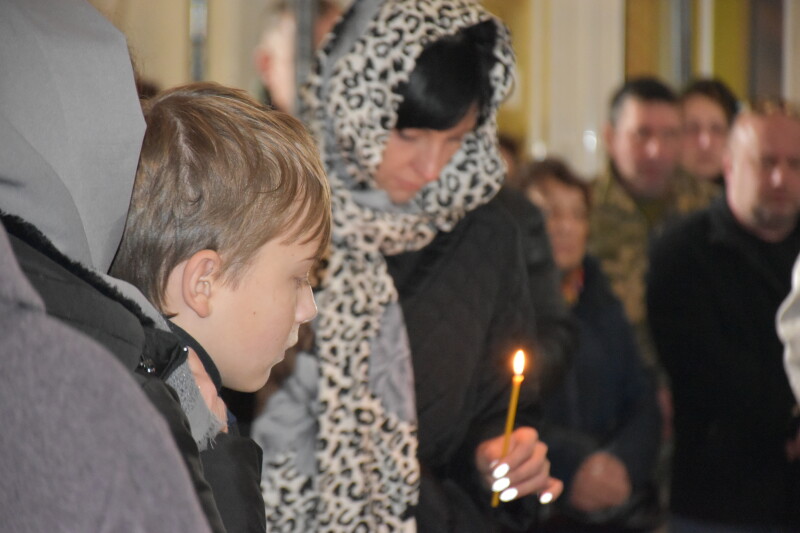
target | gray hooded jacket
[{"x": 70, "y": 132}]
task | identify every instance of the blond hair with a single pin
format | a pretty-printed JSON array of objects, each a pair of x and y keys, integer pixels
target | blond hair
[{"x": 218, "y": 171}]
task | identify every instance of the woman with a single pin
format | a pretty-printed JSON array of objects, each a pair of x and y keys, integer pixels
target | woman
[
  {"x": 709, "y": 108},
  {"x": 422, "y": 303},
  {"x": 602, "y": 424}
]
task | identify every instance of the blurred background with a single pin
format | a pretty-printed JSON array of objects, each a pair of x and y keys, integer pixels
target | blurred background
[{"x": 570, "y": 54}]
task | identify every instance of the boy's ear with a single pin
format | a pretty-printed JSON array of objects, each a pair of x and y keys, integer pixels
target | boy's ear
[{"x": 197, "y": 284}]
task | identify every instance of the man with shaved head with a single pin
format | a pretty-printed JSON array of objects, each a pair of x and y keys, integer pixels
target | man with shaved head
[{"x": 716, "y": 281}]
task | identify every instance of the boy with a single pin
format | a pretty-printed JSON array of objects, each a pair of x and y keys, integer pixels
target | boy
[{"x": 230, "y": 210}]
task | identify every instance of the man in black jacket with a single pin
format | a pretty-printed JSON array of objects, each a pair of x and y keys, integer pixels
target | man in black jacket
[{"x": 715, "y": 283}]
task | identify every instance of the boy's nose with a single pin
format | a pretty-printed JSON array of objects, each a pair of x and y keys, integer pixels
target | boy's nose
[{"x": 306, "y": 306}]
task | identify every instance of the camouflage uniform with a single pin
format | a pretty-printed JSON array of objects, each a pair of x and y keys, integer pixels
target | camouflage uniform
[{"x": 622, "y": 229}]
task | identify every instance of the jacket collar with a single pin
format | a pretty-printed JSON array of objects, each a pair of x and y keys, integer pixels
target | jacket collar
[
  {"x": 208, "y": 363},
  {"x": 612, "y": 190},
  {"x": 726, "y": 231}
]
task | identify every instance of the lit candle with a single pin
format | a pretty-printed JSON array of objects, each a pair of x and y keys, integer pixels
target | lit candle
[{"x": 519, "y": 367}]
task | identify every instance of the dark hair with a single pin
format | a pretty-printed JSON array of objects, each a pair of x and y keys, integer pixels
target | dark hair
[
  {"x": 645, "y": 88},
  {"x": 509, "y": 143},
  {"x": 772, "y": 105},
  {"x": 535, "y": 173},
  {"x": 451, "y": 75},
  {"x": 146, "y": 88},
  {"x": 715, "y": 90}
]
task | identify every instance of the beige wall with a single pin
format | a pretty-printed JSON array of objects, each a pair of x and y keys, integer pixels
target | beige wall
[
  {"x": 791, "y": 50},
  {"x": 571, "y": 54},
  {"x": 158, "y": 35},
  {"x": 157, "y": 32},
  {"x": 234, "y": 30}
]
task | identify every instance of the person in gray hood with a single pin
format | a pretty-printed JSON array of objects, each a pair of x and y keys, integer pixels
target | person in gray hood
[
  {"x": 90, "y": 454},
  {"x": 70, "y": 132}
]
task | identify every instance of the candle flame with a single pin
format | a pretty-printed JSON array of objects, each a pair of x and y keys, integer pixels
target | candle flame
[{"x": 519, "y": 362}]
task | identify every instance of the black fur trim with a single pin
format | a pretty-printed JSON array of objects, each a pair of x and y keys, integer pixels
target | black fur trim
[{"x": 30, "y": 234}]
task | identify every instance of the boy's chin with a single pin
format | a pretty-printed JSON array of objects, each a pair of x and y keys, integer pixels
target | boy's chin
[
  {"x": 294, "y": 336},
  {"x": 255, "y": 386}
]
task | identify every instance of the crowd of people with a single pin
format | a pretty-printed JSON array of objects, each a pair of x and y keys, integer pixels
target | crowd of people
[
  {"x": 695, "y": 227},
  {"x": 161, "y": 255}
]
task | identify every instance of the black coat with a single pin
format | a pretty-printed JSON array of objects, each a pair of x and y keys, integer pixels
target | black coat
[
  {"x": 712, "y": 296},
  {"x": 556, "y": 330},
  {"x": 467, "y": 308},
  {"x": 232, "y": 464},
  {"x": 79, "y": 437},
  {"x": 81, "y": 299},
  {"x": 607, "y": 403}
]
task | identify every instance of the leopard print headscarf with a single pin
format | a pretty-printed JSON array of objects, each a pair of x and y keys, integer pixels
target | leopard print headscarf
[{"x": 368, "y": 474}]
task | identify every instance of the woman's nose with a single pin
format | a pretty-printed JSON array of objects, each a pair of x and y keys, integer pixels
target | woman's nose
[{"x": 431, "y": 160}]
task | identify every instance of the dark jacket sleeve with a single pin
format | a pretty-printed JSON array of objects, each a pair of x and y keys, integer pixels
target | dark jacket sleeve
[
  {"x": 567, "y": 448},
  {"x": 513, "y": 325},
  {"x": 610, "y": 373},
  {"x": 637, "y": 441},
  {"x": 685, "y": 326},
  {"x": 166, "y": 402},
  {"x": 556, "y": 330},
  {"x": 232, "y": 466}
]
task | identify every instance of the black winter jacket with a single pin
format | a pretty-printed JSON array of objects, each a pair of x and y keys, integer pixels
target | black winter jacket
[
  {"x": 713, "y": 293},
  {"x": 467, "y": 308},
  {"x": 82, "y": 300},
  {"x": 607, "y": 403},
  {"x": 556, "y": 330}
]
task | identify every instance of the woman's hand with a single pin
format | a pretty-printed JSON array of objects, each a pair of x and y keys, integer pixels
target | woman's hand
[{"x": 524, "y": 470}]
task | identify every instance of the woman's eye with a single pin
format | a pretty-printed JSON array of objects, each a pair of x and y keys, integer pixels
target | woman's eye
[{"x": 406, "y": 135}]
